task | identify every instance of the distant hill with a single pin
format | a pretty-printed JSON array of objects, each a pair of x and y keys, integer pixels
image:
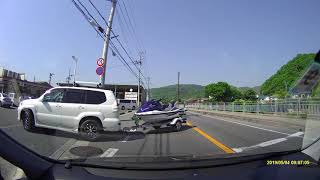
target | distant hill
[
  {"x": 187, "y": 91},
  {"x": 286, "y": 76},
  {"x": 255, "y": 88}
]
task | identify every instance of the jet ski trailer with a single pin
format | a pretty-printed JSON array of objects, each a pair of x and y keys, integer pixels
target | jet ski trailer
[{"x": 154, "y": 114}]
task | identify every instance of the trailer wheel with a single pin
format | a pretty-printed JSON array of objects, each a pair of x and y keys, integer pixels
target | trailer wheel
[{"x": 178, "y": 126}]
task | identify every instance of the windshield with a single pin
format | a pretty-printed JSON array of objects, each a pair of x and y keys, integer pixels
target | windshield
[{"x": 160, "y": 78}]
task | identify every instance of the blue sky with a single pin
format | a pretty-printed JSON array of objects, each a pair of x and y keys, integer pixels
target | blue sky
[{"x": 241, "y": 42}]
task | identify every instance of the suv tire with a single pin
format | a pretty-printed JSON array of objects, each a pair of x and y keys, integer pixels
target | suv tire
[
  {"x": 90, "y": 129},
  {"x": 27, "y": 120}
]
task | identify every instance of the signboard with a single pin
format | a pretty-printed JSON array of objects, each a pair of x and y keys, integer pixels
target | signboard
[
  {"x": 100, "y": 62},
  {"x": 131, "y": 95},
  {"x": 100, "y": 70},
  {"x": 309, "y": 80}
]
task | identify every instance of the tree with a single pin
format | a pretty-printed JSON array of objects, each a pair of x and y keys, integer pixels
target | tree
[
  {"x": 250, "y": 95},
  {"x": 287, "y": 75},
  {"x": 220, "y": 91},
  {"x": 236, "y": 93}
]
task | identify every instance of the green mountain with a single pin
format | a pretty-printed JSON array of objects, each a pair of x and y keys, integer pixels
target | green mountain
[
  {"x": 279, "y": 83},
  {"x": 187, "y": 91},
  {"x": 255, "y": 88}
]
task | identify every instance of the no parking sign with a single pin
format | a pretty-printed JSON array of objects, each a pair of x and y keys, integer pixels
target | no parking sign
[{"x": 100, "y": 70}]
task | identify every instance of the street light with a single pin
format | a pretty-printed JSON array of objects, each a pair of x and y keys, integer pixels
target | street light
[{"x": 75, "y": 69}]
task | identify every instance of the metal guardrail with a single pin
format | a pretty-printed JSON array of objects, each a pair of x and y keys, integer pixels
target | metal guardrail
[{"x": 290, "y": 107}]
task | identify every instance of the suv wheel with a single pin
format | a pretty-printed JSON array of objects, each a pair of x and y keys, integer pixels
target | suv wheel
[
  {"x": 90, "y": 129},
  {"x": 27, "y": 120},
  {"x": 123, "y": 108}
]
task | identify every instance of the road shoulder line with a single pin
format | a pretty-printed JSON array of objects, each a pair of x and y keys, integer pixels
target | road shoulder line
[{"x": 243, "y": 124}]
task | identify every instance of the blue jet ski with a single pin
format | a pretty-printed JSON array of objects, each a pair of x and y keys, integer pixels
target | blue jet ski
[{"x": 154, "y": 112}]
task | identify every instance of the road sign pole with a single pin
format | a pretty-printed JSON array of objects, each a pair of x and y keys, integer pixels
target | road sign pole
[{"x": 107, "y": 39}]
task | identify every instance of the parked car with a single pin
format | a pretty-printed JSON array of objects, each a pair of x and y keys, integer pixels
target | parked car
[
  {"x": 126, "y": 104},
  {"x": 12, "y": 96},
  {"x": 5, "y": 100},
  {"x": 21, "y": 98},
  {"x": 87, "y": 111}
]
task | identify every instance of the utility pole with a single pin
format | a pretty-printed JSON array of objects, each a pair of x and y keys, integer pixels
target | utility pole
[
  {"x": 178, "y": 88},
  {"x": 69, "y": 76},
  {"x": 148, "y": 94},
  {"x": 139, "y": 62},
  {"x": 106, "y": 42},
  {"x": 75, "y": 69},
  {"x": 50, "y": 77}
]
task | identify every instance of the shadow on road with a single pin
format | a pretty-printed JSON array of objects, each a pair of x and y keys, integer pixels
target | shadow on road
[
  {"x": 167, "y": 130},
  {"x": 105, "y": 136},
  {"x": 10, "y": 107}
]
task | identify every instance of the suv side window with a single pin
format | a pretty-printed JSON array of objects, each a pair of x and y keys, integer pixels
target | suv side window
[
  {"x": 55, "y": 95},
  {"x": 74, "y": 96},
  {"x": 95, "y": 97}
]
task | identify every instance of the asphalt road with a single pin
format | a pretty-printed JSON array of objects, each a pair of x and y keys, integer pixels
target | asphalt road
[{"x": 201, "y": 136}]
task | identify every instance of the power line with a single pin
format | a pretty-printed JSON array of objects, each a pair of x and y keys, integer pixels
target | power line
[
  {"x": 113, "y": 48},
  {"x": 114, "y": 33},
  {"x": 86, "y": 17},
  {"x": 122, "y": 31},
  {"x": 133, "y": 29},
  {"x": 98, "y": 12},
  {"x": 129, "y": 29}
]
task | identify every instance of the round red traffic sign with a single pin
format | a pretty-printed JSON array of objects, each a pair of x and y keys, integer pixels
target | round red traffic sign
[
  {"x": 100, "y": 70},
  {"x": 100, "y": 62}
]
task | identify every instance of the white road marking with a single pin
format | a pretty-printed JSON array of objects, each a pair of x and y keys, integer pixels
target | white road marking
[
  {"x": 237, "y": 150},
  {"x": 109, "y": 152},
  {"x": 81, "y": 143},
  {"x": 297, "y": 134},
  {"x": 268, "y": 143},
  {"x": 126, "y": 138},
  {"x": 10, "y": 126},
  {"x": 271, "y": 142},
  {"x": 242, "y": 124},
  {"x": 62, "y": 149}
]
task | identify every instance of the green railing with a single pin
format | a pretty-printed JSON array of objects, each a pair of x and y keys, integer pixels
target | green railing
[{"x": 288, "y": 106}]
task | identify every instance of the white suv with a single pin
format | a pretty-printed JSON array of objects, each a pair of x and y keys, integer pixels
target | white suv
[{"x": 87, "y": 111}]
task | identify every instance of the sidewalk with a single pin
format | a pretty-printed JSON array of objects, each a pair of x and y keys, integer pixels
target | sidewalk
[{"x": 274, "y": 119}]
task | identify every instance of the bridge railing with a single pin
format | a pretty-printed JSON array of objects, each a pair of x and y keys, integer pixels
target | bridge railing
[{"x": 289, "y": 106}]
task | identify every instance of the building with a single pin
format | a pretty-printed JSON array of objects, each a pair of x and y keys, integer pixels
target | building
[
  {"x": 121, "y": 91},
  {"x": 13, "y": 82}
]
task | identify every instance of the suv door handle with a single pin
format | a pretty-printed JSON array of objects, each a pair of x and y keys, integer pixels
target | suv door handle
[{"x": 81, "y": 107}]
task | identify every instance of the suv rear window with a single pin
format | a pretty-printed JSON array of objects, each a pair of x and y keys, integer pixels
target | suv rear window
[{"x": 95, "y": 97}]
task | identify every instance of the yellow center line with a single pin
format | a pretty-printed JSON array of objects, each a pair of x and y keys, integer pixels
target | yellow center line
[{"x": 211, "y": 139}]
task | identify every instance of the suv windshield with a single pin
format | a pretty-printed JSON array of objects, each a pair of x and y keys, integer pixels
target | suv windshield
[{"x": 160, "y": 80}]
